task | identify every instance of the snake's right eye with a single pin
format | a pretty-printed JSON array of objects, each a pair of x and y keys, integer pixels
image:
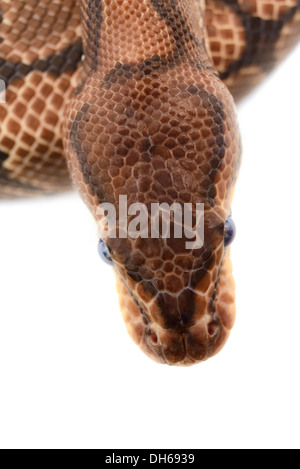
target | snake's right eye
[
  {"x": 104, "y": 252},
  {"x": 229, "y": 231}
]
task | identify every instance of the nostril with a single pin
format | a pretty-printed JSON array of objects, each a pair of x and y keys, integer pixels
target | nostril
[
  {"x": 212, "y": 329},
  {"x": 153, "y": 338}
]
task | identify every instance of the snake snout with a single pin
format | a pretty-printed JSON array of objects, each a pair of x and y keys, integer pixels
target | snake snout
[
  {"x": 196, "y": 344},
  {"x": 183, "y": 328}
]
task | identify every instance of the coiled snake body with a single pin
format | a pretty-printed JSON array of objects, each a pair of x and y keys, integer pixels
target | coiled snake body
[{"x": 134, "y": 95}]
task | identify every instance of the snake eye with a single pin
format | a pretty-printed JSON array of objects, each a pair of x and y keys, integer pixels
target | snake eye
[
  {"x": 229, "y": 231},
  {"x": 104, "y": 253}
]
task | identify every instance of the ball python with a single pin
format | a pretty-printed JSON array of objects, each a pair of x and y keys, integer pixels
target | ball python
[{"x": 136, "y": 98}]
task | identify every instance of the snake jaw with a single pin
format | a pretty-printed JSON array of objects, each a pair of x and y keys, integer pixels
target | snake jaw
[
  {"x": 174, "y": 347},
  {"x": 159, "y": 137},
  {"x": 198, "y": 330}
]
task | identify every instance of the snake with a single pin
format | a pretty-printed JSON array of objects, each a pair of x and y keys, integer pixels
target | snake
[{"x": 137, "y": 98}]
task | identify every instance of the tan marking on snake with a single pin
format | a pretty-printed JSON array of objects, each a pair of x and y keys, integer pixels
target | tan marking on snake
[{"x": 152, "y": 120}]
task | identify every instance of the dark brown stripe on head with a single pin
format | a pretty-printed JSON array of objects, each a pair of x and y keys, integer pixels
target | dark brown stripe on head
[
  {"x": 204, "y": 149},
  {"x": 93, "y": 18}
]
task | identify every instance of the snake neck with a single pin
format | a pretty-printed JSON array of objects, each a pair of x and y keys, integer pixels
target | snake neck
[{"x": 132, "y": 31}]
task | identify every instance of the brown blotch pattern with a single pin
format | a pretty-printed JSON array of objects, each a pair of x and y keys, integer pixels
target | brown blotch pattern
[
  {"x": 248, "y": 38},
  {"x": 160, "y": 131},
  {"x": 40, "y": 50},
  {"x": 151, "y": 120}
]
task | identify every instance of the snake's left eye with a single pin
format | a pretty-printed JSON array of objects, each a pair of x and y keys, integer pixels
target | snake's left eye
[
  {"x": 104, "y": 253},
  {"x": 229, "y": 231}
]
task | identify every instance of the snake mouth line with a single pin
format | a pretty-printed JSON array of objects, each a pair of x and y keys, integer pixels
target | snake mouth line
[{"x": 154, "y": 343}]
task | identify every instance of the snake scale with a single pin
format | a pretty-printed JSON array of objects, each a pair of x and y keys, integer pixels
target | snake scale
[{"x": 136, "y": 98}]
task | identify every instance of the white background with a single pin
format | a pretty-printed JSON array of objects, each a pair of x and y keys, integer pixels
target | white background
[{"x": 71, "y": 377}]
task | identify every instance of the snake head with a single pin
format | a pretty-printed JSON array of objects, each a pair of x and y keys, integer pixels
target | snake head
[
  {"x": 178, "y": 303},
  {"x": 159, "y": 137}
]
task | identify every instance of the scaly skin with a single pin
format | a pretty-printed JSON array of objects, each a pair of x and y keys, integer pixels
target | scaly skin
[
  {"x": 151, "y": 119},
  {"x": 40, "y": 62}
]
